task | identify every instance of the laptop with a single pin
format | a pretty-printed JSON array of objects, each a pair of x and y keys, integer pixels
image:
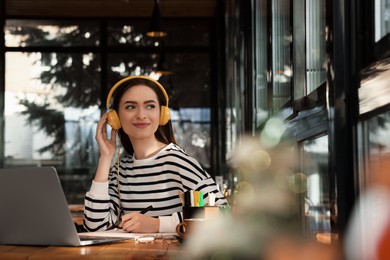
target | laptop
[{"x": 34, "y": 210}]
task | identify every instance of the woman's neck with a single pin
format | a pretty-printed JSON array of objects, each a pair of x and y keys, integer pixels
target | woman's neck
[{"x": 146, "y": 148}]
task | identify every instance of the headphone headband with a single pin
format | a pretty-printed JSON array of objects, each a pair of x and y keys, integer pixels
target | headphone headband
[{"x": 135, "y": 77}]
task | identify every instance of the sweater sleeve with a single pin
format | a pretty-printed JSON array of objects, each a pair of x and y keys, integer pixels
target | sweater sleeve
[
  {"x": 98, "y": 190},
  {"x": 100, "y": 211},
  {"x": 169, "y": 223}
]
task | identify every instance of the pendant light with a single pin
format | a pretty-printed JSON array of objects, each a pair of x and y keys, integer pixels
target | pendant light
[{"x": 156, "y": 24}]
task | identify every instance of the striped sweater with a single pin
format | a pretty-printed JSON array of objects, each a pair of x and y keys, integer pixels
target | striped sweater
[{"x": 154, "y": 181}]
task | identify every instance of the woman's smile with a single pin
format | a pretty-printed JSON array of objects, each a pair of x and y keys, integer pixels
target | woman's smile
[{"x": 141, "y": 125}]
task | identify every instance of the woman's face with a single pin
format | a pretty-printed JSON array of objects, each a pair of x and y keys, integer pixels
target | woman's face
[{"x": 139, "y": 112}]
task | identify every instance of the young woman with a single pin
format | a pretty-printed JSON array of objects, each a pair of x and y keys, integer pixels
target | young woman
[{"x": 152, "y": 173}]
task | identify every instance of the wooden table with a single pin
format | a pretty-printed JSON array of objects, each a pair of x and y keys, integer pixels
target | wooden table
[{"x": 129, "y": 249}]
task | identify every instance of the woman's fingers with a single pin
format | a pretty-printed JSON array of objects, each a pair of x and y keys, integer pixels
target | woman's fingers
[
  {"x": 107, "y": 144},
  {"x": 101, "y": 126},
  {"x": 136, "y": 222},
  {"x": 129, "y": 222}
]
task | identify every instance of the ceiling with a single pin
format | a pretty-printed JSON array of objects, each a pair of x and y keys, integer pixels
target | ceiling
[{"x": 108, "y": 8}]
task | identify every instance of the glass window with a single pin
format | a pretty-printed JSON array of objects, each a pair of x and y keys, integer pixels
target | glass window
[
  {"x": 315, "y": 44},
  {"x": 188, "y": 86},
  {"x": 129, "y": 33},
  {"x": 379, "y": 134},
  {"x": 23, "y": 33},
  {"x": 192, "y": 131},
  {"x": 261, "y": 80},
  {"x": 374, "y": 143},
  {"x": 281, "y": 53},
  {"x": 319, "y": 208},
  {"x": 124, "y": 64},
  {"x": 51, "y": 114},
  {"x": 188, "y": 32},
  {"x": 382, "y": 18}
]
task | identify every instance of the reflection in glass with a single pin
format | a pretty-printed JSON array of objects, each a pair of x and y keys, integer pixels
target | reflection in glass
[
  {"x": 318, "y": 205},
  {"x": 188, "y": 87},
  {"x": 370, "y": 215},
  {"x": 51, "y": 122},
  {"x": 315, "y": 44},
  {"x": 261, "y": 90},
  {"x": 382, "y": 18},
  {"x": 379, "y": 135},
  {"x": 231, "y": 130},
  {"x": 192, "y": 132},
  {"x": 374, "y": 143},
  {"x": 188, "y": 32},
  {"x": 130, "y": 33},
  {"x": 281, "y": 53},
  {"x": 26, "y": 33},
  {"x": 123, "y": 65}
]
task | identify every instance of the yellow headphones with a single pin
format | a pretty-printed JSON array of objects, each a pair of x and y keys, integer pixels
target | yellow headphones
[{"x": 113, "y": 119}]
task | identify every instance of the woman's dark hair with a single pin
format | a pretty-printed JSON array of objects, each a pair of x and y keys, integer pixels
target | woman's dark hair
[{"x": 164, "y": 133}]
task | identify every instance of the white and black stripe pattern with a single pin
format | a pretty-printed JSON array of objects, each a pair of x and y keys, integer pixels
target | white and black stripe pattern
[{"x": 154, "y": 181}]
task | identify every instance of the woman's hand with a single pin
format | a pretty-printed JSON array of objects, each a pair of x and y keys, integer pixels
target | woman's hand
[
  {"x": 107, "y": 145},
  {"x": 139, "y": 223},
  {"x": 107, "y": 149}
]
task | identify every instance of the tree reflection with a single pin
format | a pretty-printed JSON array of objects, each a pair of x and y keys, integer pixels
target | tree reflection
[{"x": 73, "y": 78}]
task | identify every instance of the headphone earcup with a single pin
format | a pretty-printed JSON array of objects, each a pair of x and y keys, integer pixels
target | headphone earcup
[
  {"x": 165, "y": 115},
  {"x": 113, "y": 120}
]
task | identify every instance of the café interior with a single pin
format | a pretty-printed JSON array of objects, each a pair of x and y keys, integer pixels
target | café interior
[{"x": 313, "y": 74}]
